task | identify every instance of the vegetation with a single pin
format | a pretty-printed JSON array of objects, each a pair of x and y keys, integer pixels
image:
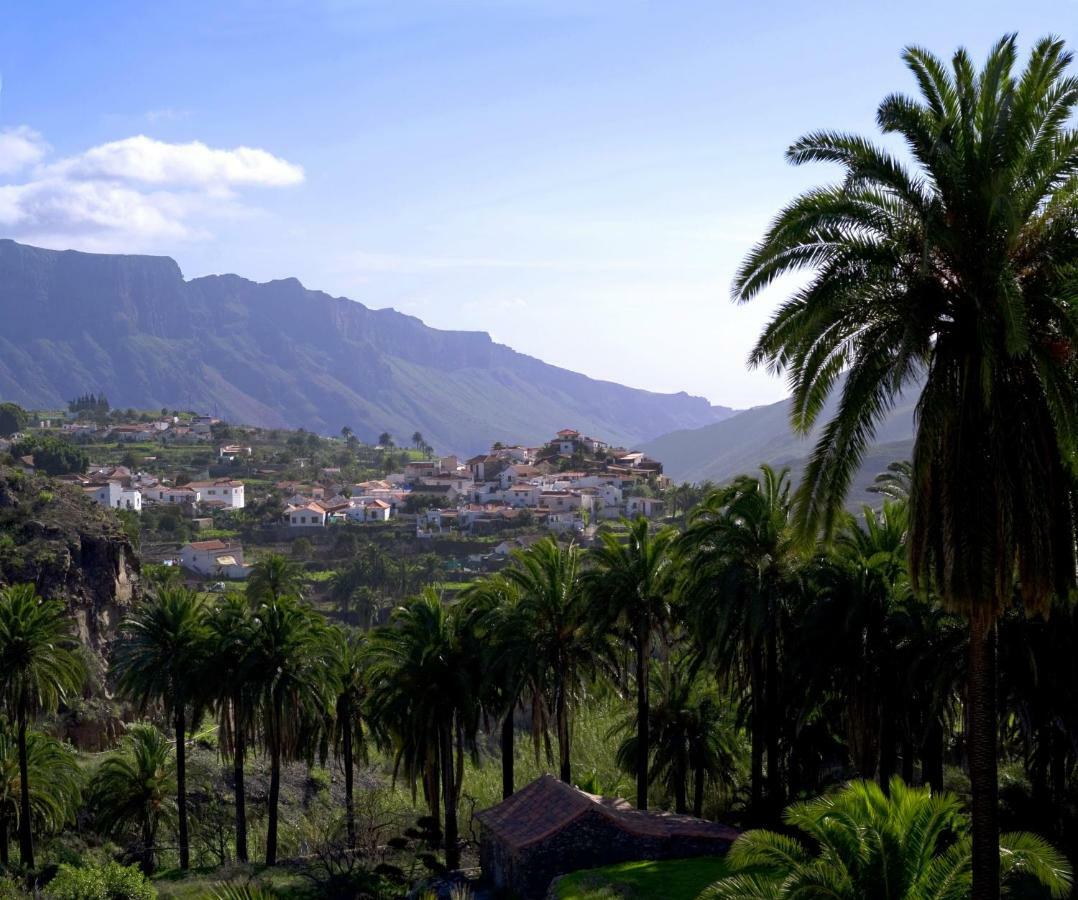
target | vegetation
[
  {"x": 947, "y": 269},
  {"x": 906, "y": 844}
]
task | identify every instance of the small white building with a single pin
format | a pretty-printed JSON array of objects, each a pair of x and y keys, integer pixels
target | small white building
[
  {"x": 225, "y": 492},
  {"x": 369, "y": 510},
  {"x": 649, "y": 507},
  {"x": 520, "y": 495},
  {"x": 310, "y": 515},
  {"x": 114, "y": 495},
  {"x": 214, "y": 559}
]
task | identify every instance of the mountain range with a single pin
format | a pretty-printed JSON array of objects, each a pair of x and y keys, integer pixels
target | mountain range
[
  {"x": 741, "y": 442},
  {"x": 279, "y": 355}
]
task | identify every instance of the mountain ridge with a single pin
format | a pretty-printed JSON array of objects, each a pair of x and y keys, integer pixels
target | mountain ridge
[
  {"x": 739, "y": 443},
  {"x": 281, "y": 355}
]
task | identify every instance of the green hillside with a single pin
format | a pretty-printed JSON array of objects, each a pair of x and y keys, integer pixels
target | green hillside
[{"x": 720, "y": 451}]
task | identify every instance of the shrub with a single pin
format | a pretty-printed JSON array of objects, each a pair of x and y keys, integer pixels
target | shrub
[{"x": 109, "y": 882}]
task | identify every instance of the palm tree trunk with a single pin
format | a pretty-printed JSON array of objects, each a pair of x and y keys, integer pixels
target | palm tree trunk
[
  {"x": 643, "y": 750},
  {"x": 349, "y": 782},
  {"x": 26, "y": 838},
  {"x": 449, "y": 793},
  {"x": 508, "y": 735},
  {"x": 561, "y": 712},
  {"x": 774, "y": 774},
  {"x": 756, "y": 687},
  {"x": 5, "y": 853},
  {"x": 681, "y": 781},
  {"x": 181, "y": 788},
  {"x": 148, "y": 842},
  {"x": 888, "y": 738},
  {"x": 907, "y": 760},
  {"x": 932, "y": 756},
  {"x": 239, "y": 759},
  {"x": 275, "y": 785},
  {"x": 981, "y": 742},
  {"x": 698, "y": 793}
]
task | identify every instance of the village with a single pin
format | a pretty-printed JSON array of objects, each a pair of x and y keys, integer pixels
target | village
[{"x": 508, "y": 497}]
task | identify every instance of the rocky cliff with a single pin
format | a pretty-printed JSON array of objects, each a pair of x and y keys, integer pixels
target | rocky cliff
[
  {"x": 68, "y": 547},
  {"x": 277, "y": 354}
]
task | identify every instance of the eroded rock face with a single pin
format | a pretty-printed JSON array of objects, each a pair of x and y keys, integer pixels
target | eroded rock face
[{"x": 69, "y": 548}]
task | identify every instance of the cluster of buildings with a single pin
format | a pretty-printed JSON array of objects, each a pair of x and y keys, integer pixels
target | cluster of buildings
[
  {"x": 567, "y": 485},
  {"x": 119, "y": 488},
  {"x": 166, "y": 430}
]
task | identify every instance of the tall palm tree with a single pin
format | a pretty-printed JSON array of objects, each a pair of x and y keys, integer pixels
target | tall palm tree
[
  {"x": 55, "y": 784},
  {"x": 553, "y": 612},
  {"x": 134, "y": 789},
  {"x": 229, "y": 681},
  {"x": 493, "y": 607},
  {"x": 862, "y": 592},
  {"x": 350, "y": 664},
  {"x": 273, "y": 577},
  {"x": 864, "y": 843},
  {"x": 692, "y": 737},
  {"x": 425, "y": 693},
  {"x": 742, "y": 565},
  {"x": 950, "y": 271},
  {"x": 39, "y": 666},
  {"x": 417, "y": 440},
  {"x": 630, "y": 590},
  {"x": 159, "y": 659},
  {"x": 293, "y": 677}
]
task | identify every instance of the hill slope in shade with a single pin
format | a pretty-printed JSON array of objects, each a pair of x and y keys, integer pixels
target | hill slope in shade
[
  {"x": 741, "y": 442},
  {"x": 279, "y": 355}
]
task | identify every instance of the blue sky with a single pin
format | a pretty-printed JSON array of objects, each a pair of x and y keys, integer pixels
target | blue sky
[{"x": 580, "y": 179}]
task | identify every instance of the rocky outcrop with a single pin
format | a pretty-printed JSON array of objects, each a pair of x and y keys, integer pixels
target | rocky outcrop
[{"x": 68, "y": 547}]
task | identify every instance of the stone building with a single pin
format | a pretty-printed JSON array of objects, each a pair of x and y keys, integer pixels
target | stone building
[{"x": 550, "y": 828}]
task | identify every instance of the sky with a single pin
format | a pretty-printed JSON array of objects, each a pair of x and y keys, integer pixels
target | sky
[{"x": 579, "y": 178}]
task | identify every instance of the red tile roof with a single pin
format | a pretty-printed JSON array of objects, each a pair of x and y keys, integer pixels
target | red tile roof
[{"x": 547, "y": 805}]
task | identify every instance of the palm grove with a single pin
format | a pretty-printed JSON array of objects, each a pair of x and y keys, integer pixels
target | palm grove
[{"x": 910, "y": 644}]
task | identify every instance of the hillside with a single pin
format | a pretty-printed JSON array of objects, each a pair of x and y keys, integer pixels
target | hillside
[
  {"x": 763, "y": 434},
  {"x": 279, "y": 355}
]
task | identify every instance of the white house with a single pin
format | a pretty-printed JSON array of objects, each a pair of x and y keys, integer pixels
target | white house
[
  {"x": 649, "y": 507},
  {"x": 559, "y": 501},
  {"x": 113, "y": 494},
  {"x": 184, "y": 494},
  {"x": 369, "y": 510},
  {"x": 309, "y": 515},
  {"x": 565, "y": 441},
  {"x": 517, "y": 473},
  {"x": 214, "y": 559},
  {"x": 224, "y": 492},
  {"x": 523, "y": 495}
]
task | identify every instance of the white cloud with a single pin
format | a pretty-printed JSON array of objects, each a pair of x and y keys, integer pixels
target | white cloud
[
  {"x": 151, "y": 161},
  {"x": 135, "y": 194},
  {"x": 20, "y": 148}
]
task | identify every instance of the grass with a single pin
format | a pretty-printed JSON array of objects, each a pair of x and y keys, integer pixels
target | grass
[{"x": 672, "y": 879}]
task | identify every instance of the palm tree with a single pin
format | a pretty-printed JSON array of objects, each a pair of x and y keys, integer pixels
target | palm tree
[
  {"x": 273, "y": 577},
  {"x": 134, "y": 789},
  {"x": 350, "y": 664},
  {"x": 417, "y": 440},
  {"x": 692, "y": 737},
  {"x": 862, "y": 596},
  {"x": 741, "y": 568},
  {"x": 159, "y": 659},
  {"x": 947, "y": 272},
  {"x": 492, "y": 606},
  {"x": 55, "y": 784},
  {"x": 553, "y": 612},
  {"x": 346, "y": 431},
  {"x": 425, "y": 695},
  {"x": 39, "y": 666},
  {"x": 630, "y": 590},
  {"x": 230, "y": 684},
  {"x": 904, "y": 845},
  {"x": 292, "y": 672},
  {"x": 385, "y": 440}
]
